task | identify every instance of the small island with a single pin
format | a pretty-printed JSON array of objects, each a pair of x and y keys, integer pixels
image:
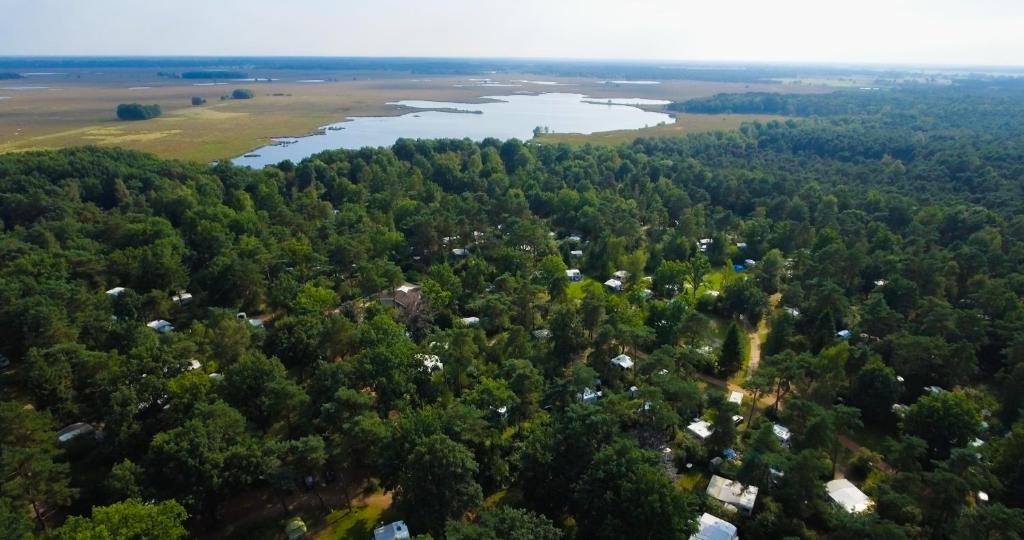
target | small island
[{"x": 137, "y": 111}]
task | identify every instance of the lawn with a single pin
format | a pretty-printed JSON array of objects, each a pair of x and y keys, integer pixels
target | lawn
[
  {"x": 693, "y": 481},
  {"x": 357, "y": 524}
]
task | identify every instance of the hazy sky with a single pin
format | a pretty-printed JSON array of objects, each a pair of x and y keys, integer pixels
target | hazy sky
[{"x": 875, "y": 31}]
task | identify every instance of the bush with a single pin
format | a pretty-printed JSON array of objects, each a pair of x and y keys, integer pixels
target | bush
[
  {"x": 242, "y": 93},
  {"x": 136, "y": 111},
  {"x": 196, "y": 100}
]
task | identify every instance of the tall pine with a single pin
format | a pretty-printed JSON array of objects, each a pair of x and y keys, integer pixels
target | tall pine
[{"x": 731, "y": 358}]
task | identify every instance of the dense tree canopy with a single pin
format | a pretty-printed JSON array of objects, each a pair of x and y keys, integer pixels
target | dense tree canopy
[{"x": 402, "y": 318}]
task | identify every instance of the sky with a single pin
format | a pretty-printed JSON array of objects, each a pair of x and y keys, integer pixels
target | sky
[{"x": 942, "y": 32}]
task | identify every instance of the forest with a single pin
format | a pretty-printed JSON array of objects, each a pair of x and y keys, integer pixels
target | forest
[{"x": 507, "y": 340}]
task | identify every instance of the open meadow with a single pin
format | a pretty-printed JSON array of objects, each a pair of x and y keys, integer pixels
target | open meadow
[{"x": 77, "y": 108}]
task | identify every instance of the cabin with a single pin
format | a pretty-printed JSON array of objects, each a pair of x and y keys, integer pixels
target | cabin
[
  {"x": 782, "y": 433},
  {"x": 405, "y": 297},
  {"x": 712, "y": 528},
  {"x": 542, "y": 334},
  {"x": 623, "y": 361},
  {"x": 733, "y": 494},
  {"x": 749, "y": 263},
  {"x": 792, "y": 312},
  {"x": 741, "y": 245},
  {"x": 574, "y": 238},
  {"x": 703, "y": 244},
  {"x": 613, "y": 285},
  {"x": 574, "y": 274},
  {"x": 392, "y": 531},
  {"x": 700, "y": 428},
  {"x": 470, "y": 321},
  {"x": 576, "y": 253},
  {"x": 460, "y": 252},
  {"x": 844, "y": 334},
  {"x": 736, "y": 397},
  {"x": 847, "y": 496},
  {"x": 115, "y": 292},
  {"x": 160, "y": 326},
  {"x": 620, "y": 275}
]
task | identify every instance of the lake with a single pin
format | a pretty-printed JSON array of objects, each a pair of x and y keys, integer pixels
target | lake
[{"x": 502, "y": 117}]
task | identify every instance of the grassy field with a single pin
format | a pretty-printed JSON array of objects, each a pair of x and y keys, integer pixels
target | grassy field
[{"x": 78, "y": 108}]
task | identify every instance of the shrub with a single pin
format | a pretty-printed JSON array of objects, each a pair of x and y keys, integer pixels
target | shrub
[
  {"x": 242, "y": 93},
  {"x": 136, "y": 111},
  {"x": 196, "y": 100}
]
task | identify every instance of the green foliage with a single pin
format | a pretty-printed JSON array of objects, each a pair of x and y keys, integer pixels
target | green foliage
[
  {"x": 504, "y": 523},
  {"x": 242, "y": 93},
  {"x": 730, "y": 359},
  {"x": 901, "y": 224},
  {"x": 128, "y": 520},
  {"x": 945, "y": 420},
  {"x": 136, "y": 111},
  {"x": 438, "y": 484},
  {"x": 622, "y": 476}
]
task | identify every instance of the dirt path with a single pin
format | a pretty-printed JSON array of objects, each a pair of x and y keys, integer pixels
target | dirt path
[{"x": 754, "y": 335}]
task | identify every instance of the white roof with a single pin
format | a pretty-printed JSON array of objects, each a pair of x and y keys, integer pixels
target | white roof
[
  {"x": 193, "y": 364},
  {"x": 392, "y": 531},
  {"x": 576, "y": 253},
  {"x": 701, "y": 428},
  {"x": 733, "y": 492},
  {"x": 115, "y": 291},
  {"x": 793, "y": 312},
  {"x": 160, "y": 325},
  {"x": 713, "y": 528},
  {"x": 407, "y": 288},
  {"x": 712, "y": 293},
  {"x": 542, "y": 333},
  {"x": 588, "y": 395},
  {"x": 471, "y": 321},
  {"x": 573, "y": 272},
  {"x": 181, "y": 297},
  {"x": 846, "y": 495},
  {"x": 613, "y": 284},
  {"x": 782, "y": 432},
  {"x": 736, "y": 397},
  {"x": 460, "y": 252},
  {"x": 621, "y": 274},
  {"x": 623, "y": 361}
]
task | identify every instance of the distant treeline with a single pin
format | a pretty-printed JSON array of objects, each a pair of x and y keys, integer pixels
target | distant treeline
[
  {"x": 4, "y": 75},
  {"x": 137, "y": 111},
  {"x": 904, "y": 99},
  {"x": 611, "y": 70},
  {"x": 208, "y": 74},
  {"x": 215, "y": 74},
  {"x": 833, "y": 104}
]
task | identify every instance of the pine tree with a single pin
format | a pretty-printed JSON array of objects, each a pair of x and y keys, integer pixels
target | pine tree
[{"x": 731, "y": 359}]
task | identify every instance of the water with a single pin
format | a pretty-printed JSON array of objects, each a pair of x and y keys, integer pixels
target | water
[{"x": 504, "y": 117}]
